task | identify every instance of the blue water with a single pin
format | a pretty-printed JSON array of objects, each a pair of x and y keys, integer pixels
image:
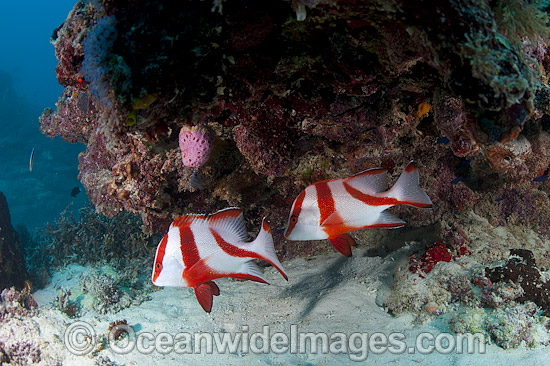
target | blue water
[{"x": 28, "y": 85}]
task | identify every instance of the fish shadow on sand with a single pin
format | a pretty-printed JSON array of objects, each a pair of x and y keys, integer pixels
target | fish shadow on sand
[
  {"x": 315, "y": 287},
  {"x": 390, "y": 241}
]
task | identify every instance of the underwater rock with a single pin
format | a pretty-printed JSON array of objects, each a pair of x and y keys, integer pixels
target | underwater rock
[
  {"x": 21, "y": 340},
  {"x": 13, "y": 271},
  {"x": 521, "y": 269},
  {"x": 105, "y": 290},
  {"x": 301, "y": 91},
  {"x": 16, "y": 304},
  {"x": 512, "y": 325},
  {"x": 509, "y": 157},
  {"x": 71, "y": 118}
]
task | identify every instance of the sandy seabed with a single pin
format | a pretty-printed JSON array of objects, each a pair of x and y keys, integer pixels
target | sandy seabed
[{"x": 335, "y": 299}]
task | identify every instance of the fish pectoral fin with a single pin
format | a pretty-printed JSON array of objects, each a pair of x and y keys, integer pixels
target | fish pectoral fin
[
  {"x": 205, "y": 293},
  {"x": 199, "y": 272},
  {"x": 332, "y": 220},
  {"x": 342, "y": 243}
]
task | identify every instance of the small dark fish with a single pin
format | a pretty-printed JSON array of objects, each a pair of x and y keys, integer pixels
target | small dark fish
[
  {"x": 543, "y": 177},
  {"x": 197, "y": 180},
  {"x": 457, "y": 180},
  {"x": 463, "y": 163},
  {"x": 30, "y": 160},
  {"x": 75, "y": 191},
  {"x": 443, "y": 140},
  {"x": 499, "y": 199}
]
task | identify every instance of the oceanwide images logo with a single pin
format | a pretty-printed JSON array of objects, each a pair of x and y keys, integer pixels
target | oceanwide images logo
[{"x": 81, "y": 339}]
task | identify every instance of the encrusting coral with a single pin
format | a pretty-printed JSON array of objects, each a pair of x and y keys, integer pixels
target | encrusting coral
[{"x": 466, "y": 285}]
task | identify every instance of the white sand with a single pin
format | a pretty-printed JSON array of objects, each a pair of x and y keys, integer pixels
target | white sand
[{"x": 327, "y": 294}]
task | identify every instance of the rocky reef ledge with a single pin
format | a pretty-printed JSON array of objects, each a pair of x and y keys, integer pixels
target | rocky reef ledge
[{"x": 194, "y": 106}]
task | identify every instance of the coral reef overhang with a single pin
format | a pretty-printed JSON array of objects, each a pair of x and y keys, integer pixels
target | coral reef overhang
[{"x": 354, "y": 85}]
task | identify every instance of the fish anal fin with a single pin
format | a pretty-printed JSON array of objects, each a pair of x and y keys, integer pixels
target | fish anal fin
[
  {"x": 205, "y": 293},
  {"x": 386, "y": 220},
  {"x": 342, "y": 243},
  {"x": 248, "y": 277},
  {"x": 250, "y": 271}
]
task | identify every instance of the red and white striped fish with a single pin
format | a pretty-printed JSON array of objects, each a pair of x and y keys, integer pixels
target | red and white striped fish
[
  {"x": 332, "y": 208},
  {"x": 199, "y": 248}
]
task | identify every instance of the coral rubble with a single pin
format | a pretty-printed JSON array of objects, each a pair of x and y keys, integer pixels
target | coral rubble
[
  {"x": 20, "y": 339},
  {"x": 521, "y": 269},
  {"x": 474, "y": 293},
  {"x": 92, "y": 240}
]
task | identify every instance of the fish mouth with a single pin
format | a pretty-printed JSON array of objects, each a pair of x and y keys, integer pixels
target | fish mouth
[{"x": 287, "y": 234}]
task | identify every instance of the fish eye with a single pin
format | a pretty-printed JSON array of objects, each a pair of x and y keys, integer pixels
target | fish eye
[
  {"x": 157, "y": 265},
  {"x": 293, "y": 219}
]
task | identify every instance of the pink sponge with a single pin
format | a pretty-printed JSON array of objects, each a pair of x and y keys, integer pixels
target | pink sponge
[{"x": 195, "y": 145}]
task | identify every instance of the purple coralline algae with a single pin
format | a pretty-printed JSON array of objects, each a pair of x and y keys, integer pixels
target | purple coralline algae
[{"x": 293, "y": 93}]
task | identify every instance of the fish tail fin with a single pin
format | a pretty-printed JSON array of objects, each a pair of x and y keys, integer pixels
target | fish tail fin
[
  {"x": 263, "y": 247},
  {"x": 407, "y": 189}
]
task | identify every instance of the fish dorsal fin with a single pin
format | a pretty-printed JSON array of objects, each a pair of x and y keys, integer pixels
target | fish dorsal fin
[
  {"x": 186, "y": 220},
  {"x": 369, "y": 181},
  {"x": 229, "y": 223}
]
